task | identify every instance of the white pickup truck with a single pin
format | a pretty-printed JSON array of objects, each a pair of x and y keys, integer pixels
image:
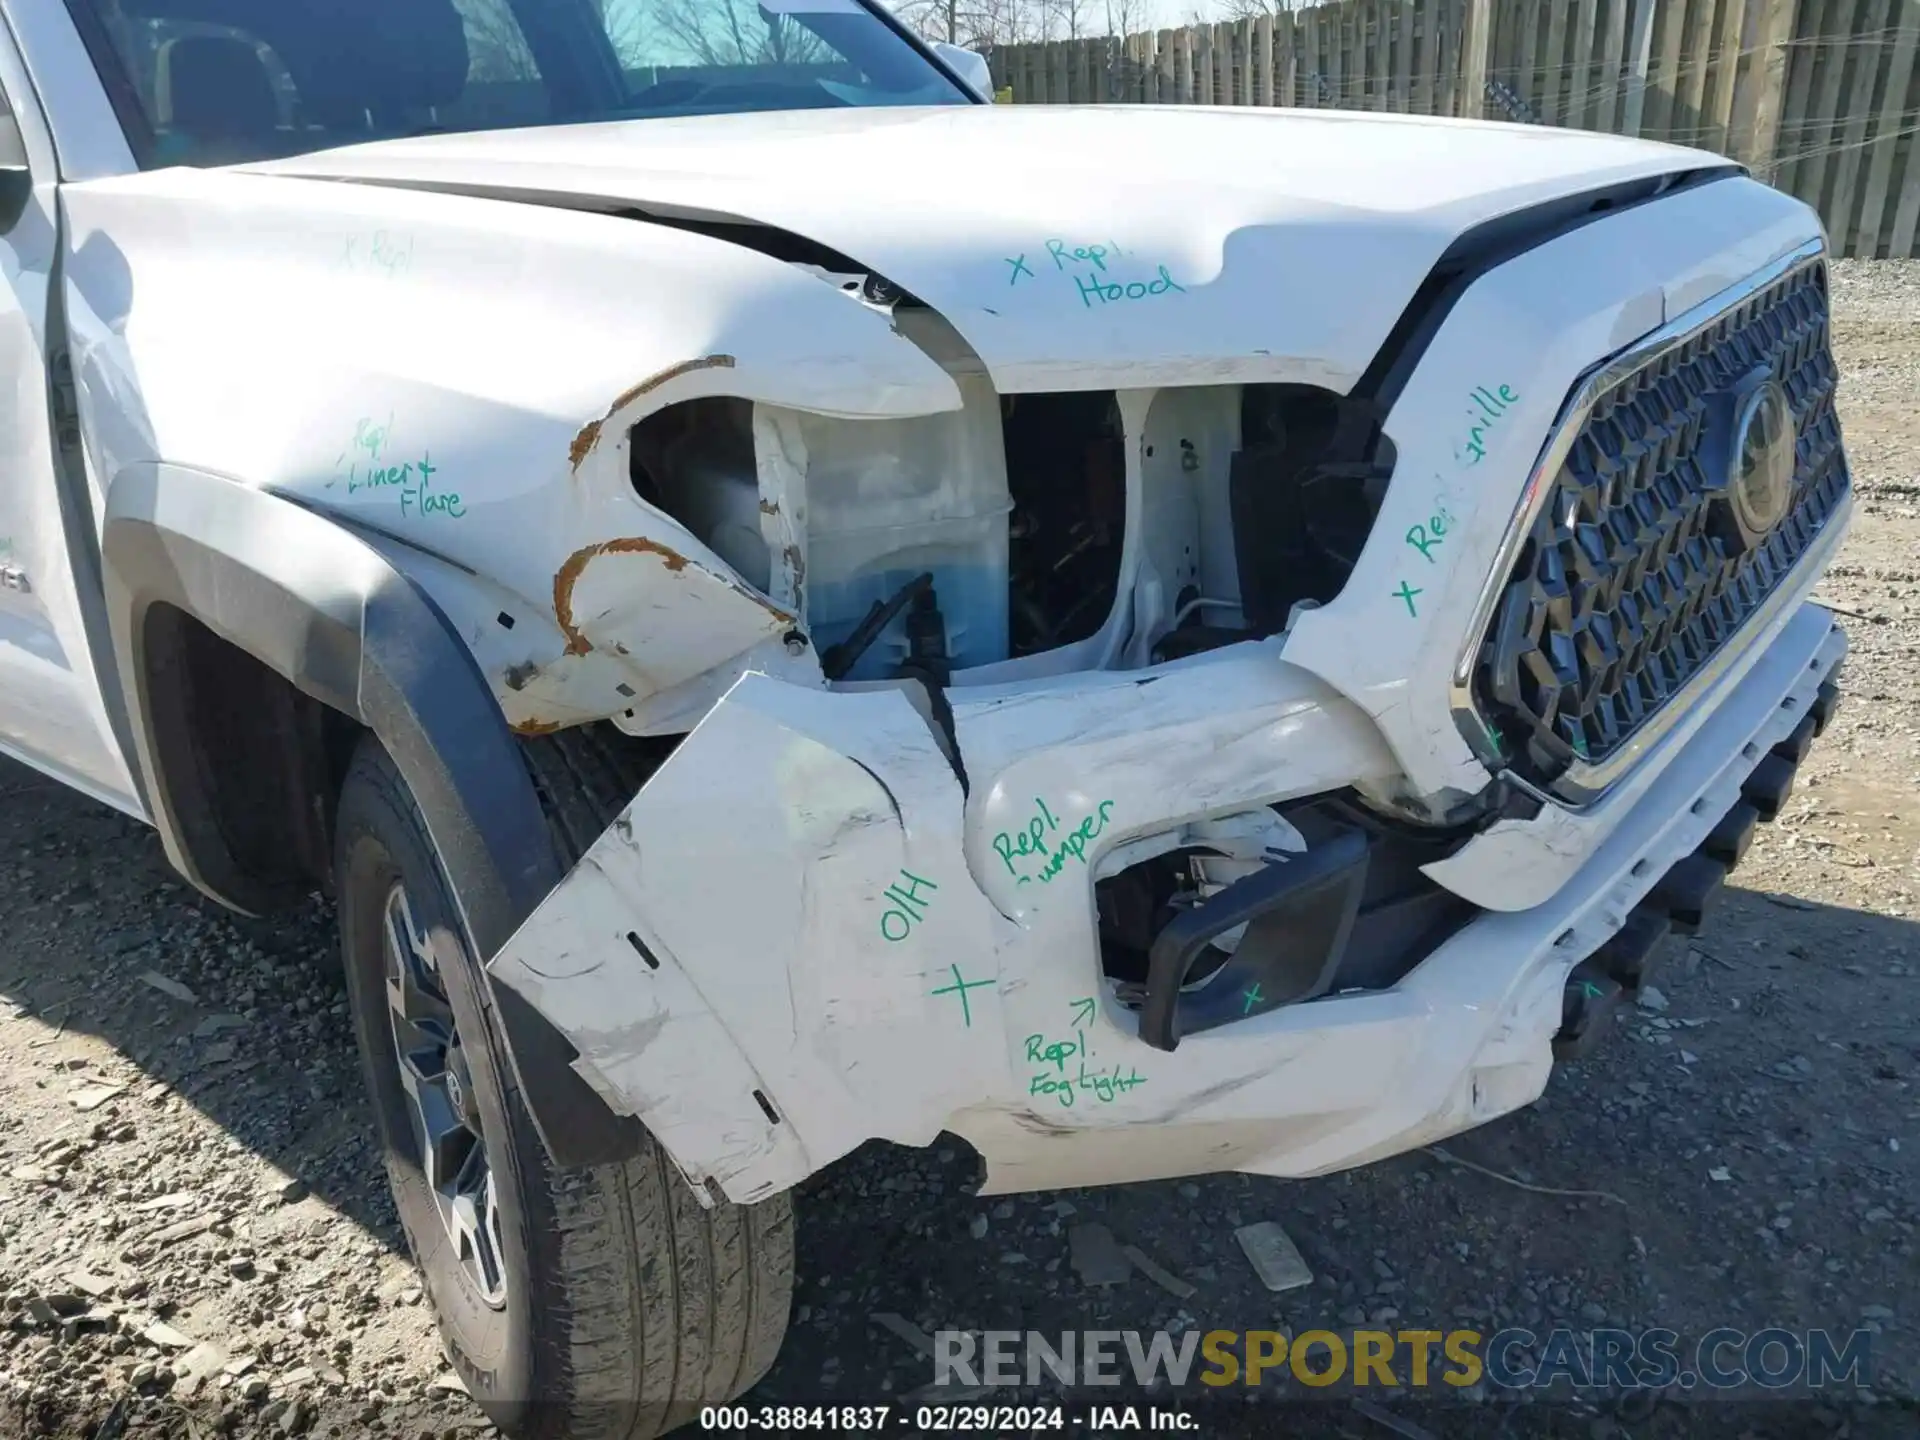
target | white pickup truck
[{"x": 790, "y": 605}]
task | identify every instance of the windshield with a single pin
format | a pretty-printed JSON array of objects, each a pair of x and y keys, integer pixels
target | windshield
[{"x": 220, "y": 82}]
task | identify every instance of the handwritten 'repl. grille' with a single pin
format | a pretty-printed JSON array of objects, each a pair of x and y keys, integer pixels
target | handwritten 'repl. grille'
[{"x": 1625, "y": 587}]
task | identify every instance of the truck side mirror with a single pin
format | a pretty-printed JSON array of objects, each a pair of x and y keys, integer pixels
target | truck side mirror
[
  {"x": 16, "y": 177},
  {"x": 969, "y": 65}
]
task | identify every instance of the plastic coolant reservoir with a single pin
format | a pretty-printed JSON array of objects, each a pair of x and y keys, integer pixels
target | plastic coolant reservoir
[{"x": 890, "y": 499}]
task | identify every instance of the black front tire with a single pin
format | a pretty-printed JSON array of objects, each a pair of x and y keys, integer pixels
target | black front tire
[{"x": 627, "y": 1304}]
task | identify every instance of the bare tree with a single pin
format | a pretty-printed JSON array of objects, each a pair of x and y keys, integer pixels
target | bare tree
[
  {"x": 1254, "y": 9},
  {"x": 936, "y": 19},
  {"x": 497, "y": 49},
  {"x": 1022, "y": 20},
  {"x": 1126, "y": 17},
  {"x": 948, "y": 20},
  {"x": 626, "y": 29},
  {"x": 736, "y": 32},
  {"x": 1070, "y": 19},
  {"x": 978, "y": 24}
]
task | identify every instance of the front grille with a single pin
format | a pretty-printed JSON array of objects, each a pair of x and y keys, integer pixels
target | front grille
[{"x": 1623, "y": 589}]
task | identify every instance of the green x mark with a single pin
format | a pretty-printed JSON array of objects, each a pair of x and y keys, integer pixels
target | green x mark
[{"x": 960, "y": 987}]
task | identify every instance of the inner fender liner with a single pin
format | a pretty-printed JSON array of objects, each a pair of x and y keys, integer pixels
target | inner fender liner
[{"x": 334, "y": 618}]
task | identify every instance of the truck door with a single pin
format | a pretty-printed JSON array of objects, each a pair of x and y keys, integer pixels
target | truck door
[{"x": 53, "y": 712}]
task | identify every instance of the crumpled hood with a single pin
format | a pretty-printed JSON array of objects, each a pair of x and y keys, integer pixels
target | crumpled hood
[{"x": 1074, "y": 247}]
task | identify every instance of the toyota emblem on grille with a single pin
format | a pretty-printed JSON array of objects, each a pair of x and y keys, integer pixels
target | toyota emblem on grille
[
  {"x": 1755, "y": 458},
  {"x": 1762, "y": 481}
]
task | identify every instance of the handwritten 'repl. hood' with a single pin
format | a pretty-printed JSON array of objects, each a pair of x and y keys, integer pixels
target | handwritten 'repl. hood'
[{"x": 1073, "y": 247}]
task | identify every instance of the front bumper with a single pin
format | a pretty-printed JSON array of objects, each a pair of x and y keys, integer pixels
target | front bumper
[{"x": 802, "y": 934}]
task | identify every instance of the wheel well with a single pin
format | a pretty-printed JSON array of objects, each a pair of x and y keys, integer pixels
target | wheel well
[{"x": 250, "y": 764}]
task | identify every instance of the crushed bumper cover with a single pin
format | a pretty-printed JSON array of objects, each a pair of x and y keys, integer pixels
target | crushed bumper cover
[{"x": 802, "y": 934}]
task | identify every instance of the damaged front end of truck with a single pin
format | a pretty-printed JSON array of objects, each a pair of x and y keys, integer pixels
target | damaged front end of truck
[
  {"x": 1096, "y": 687},
  {"x": 1257, "y": 765}
]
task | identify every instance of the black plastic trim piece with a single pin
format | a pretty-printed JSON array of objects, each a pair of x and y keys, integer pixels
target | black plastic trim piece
[
  {"x": 1326, "y": 881},
  {"x": 1727, "y": 842},
  {"x": 331, "y": 616},
  {"x": 1686, "y": 890},
  {"x": 1588, "y": 1002},
  {"x": 1825, "y": 703},
  {"x": 1493, "y": 243},
  {"x": 1768, "y": 787},
  {"x": 1796, "y": 745},
  {"x": 1629, "y": 956}
]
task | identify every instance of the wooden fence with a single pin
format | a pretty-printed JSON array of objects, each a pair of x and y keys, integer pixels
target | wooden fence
[{"x": 1819, "y": 97}]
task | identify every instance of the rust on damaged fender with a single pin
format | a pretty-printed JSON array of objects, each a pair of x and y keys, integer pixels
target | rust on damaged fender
[
  {"x": 568, "y": 575},
  {"x": 589, "y": 435}
]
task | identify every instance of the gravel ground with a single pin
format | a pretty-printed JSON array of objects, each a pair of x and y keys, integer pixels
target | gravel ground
[{"x": 194, "y": 1233}]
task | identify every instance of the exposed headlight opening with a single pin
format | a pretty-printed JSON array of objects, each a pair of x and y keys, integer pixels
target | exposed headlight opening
[{"x": 1061, "y": 531}]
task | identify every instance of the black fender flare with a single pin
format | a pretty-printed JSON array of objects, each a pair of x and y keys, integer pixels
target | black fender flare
[{"x": 338, "y": 621}]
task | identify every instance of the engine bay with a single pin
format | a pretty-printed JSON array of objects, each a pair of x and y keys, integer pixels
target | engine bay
[{"x": 1030, "y": 534}]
